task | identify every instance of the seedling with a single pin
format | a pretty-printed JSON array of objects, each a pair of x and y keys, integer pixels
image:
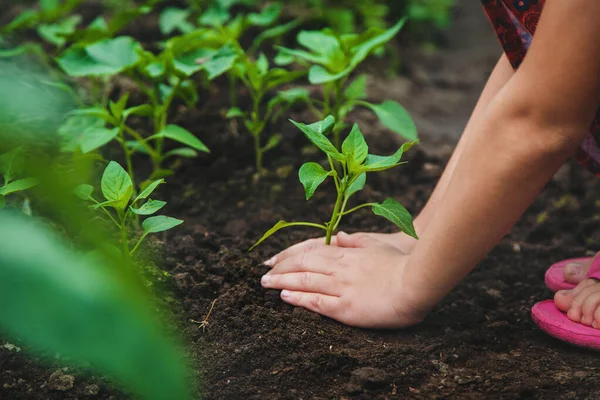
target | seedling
[
  {"x": 118, "y": 206},
  {"x": 114, "y": 126},
  {"x": 11, "y": 166},
  {"x": 260, "y": 79},
  {"x": 348, "y": 169},
  {"x": 161, "y": 77},
  {"x": 332, "y": 58}
]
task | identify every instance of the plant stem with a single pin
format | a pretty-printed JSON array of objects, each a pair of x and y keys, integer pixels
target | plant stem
[
  {"x": 139, "y": 242},
  {"x": 334, "y": 217},
  {"x": 350, "y": 211},
  {"x": 337, "y": 87}
]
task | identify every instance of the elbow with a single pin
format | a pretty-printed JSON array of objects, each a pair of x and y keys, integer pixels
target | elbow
[{"x": 536, "y": 130}]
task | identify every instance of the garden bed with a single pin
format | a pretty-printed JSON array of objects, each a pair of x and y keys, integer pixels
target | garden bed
[{"x": 479, "y": 342}]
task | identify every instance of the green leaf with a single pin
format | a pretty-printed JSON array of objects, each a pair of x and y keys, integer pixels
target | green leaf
[
  {"x": 18, "y": 186},
  {"x": 181, "y": 135},
  {"x": 361, "y": 51},
  {"x": 149, "y": 190},
  {"x": 395, "y": 117},
  {"x": 311, "y": 175},
  {"x": 318, "y": 75},
  {"x": 84, "y": 191},
  {"x": 395, "y": 212},
  {"x": 214, "y": 16},
  {"x": 144, "y": 110},
  {"x": 273, "y": 142},
  {"x": 275, "y": 228},
  {"x": 148, "y": 208},
  {"x": 104, "y": 58},
  {"x": 355, "y": 148},
  {"x": 319, "y": 42},
  {"x": 116, "y": 185},
  {"x": 266, "y": 17},
  {"x": 315, "y": 133},
  {"x": 357, "y": 89},
  {"x": 234, "y": 112},
  {"x": 273, "y": 33},
  {"x": 95, "y": 112},
  {"x": 56, "y": 33},
  {"x": 96, "y": 137},
  {"x": 221, "y": 62},
  {"x": 84, "y": 310},
  {"x": 357, "y": 185},
  {"x": 262, "y": 64},
  {"x": 159, "y": 224},
  {"x": 184, "y": 152},
  {"x": 117, "y": 108},
  {"x": 375, "y": 163},
  {"x": 173, "y": 19}
]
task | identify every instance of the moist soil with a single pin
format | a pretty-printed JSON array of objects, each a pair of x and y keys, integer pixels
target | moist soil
[{"x": 478, "y": 343}]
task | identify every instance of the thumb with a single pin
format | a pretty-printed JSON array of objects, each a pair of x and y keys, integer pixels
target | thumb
[{"x": 356, "y": 240}]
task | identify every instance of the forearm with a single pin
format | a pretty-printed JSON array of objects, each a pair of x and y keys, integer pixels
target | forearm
[
  {"x": 501, "y": 74},
  {"x": 501, "y": 170}
]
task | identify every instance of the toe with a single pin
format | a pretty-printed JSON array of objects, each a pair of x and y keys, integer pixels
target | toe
[
  {"x": 596, "y": 322},
  {"x": 575, "y": 272},
  {"x": 590, "y": 305},
  {"x": 563, "y": 299}
]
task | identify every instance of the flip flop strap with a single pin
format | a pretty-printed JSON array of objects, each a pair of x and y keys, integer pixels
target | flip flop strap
[{"x": 594, "y": 271}]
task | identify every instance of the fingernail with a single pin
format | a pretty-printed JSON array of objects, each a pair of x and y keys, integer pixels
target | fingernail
[
  {"x": 265, "y": 280},
  {"x": 342, "y": 233},
  {"x": 286, "y": 294},
  {"x": 270, "y": 262},
  {"x": 572, "y": 269}
]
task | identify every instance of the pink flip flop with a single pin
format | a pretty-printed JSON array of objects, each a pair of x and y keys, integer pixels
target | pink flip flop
[
  {"x": 556, "y": 323},
  {"x": 555, "y": 275}
]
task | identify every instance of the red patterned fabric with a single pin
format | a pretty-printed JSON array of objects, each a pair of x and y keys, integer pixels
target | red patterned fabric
[{"x": 515, "y": 22}]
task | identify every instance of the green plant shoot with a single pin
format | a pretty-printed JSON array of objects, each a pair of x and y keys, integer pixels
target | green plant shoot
[
  {"x": 118, "y": 206},
  {"x": 11, "y": 168},
  {"x": 348, "y": 169},
  {"x": 332, "y": 58},
  {"x": 260, "y": 79}
]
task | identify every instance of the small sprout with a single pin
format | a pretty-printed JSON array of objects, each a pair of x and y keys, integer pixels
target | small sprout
[
  {"x": 349, "y": 169},
  {"x": 117, "y": 189}
]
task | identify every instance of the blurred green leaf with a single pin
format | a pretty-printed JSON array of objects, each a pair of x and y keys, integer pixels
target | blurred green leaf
[{"x": 57, "y": 302}]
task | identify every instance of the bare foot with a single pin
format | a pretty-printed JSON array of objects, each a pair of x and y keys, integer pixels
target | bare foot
[
  {"x": 581, "y": 304},
  {"x": 576, "y": 272}
]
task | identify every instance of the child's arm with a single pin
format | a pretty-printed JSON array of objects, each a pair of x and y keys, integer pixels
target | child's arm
[
  {"x": 533, "y": 125},
  {"x": 530, "y": 128}
]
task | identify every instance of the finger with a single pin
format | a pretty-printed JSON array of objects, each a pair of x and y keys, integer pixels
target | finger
[
  {"x": 317, "y": 261},
  {"x": 329, "y": 306},
  {"x": 302, "y": 281},
  {"x": 357, "y": 240},
  {"x": 304, "y": 247}
]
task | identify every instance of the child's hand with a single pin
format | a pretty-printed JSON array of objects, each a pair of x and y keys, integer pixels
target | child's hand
[{"x": 358, "y": 282}]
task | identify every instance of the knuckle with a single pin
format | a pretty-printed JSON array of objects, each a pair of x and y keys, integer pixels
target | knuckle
[
  {"x": 305, "y": 279},
  {"x": 316, "y": 302}
]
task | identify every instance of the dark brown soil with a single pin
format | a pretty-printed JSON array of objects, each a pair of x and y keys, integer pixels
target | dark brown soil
[{"x": 479, "y": 343}]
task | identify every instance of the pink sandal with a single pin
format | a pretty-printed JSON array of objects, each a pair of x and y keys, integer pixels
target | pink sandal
[
  {"x": 555, "y": 275},
  {"x": 556, "y": 323}
]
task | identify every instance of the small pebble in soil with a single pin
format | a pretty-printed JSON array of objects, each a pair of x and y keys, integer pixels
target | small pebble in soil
[
  {"x": 91, "y": 390},
  {"x": 60, "y": 381},
  {"x": 367, "y": 378}
]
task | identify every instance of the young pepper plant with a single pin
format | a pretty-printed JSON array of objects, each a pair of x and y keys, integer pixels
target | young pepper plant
[
  {"x": 348, "y": 169},
  {"x": 120, "y": 207},
  {"x": 260, "y": 79},
  {"x": 331, "y": 59},
  {"x": 115, "y": 127}
]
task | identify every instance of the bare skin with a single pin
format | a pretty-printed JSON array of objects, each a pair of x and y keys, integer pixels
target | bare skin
[{"x": 523, "y": 129}]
